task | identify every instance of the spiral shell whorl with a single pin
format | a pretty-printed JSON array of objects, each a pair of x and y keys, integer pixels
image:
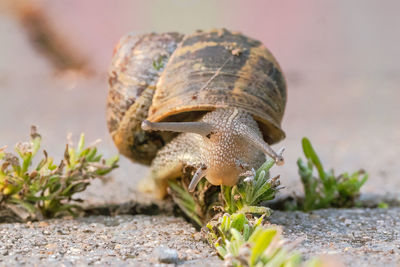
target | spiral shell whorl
[
  {"x": 136, "y": 66},
  {"x": 248, "y": 77}
]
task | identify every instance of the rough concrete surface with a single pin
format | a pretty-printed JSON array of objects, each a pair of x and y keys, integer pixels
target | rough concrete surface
[
  {"x": 120, "y": 241},
  {"x": 342, "y": 76},
  {"x": 354, "y": 237}
]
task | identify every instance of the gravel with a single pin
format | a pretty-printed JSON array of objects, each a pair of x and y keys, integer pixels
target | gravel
[
  {"x": 167, "y": 255},
  {"x": 99, "y": 240},
  {"x": 356, "y": 237}
]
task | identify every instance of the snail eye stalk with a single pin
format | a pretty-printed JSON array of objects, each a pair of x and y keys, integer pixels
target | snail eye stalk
[
  {"x": 196, "y": 127},
  {"x": 249, "y": 135}
]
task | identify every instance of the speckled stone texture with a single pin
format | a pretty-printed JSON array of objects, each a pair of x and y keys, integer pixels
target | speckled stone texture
[
  {"x": 98, "y": 240},
  {"x": 355, "y": 237}
]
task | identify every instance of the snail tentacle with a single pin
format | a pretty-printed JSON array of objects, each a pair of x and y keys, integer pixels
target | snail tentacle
[
  {"x": 200, "y": 173},
  {"x": 250, "y": 136},
  {"x": 196, "y": 127}
]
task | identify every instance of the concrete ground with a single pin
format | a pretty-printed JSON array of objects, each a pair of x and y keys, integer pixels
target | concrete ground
[
  {"x": 343, "y": 95},
  {"x": 354, "y": 237},
  {"x": 98, "y": 240}
]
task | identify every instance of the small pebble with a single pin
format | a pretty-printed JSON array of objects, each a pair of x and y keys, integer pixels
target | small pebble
[
  {"x": 167, "y": 255},
  {"x": 45, "y": 232}
]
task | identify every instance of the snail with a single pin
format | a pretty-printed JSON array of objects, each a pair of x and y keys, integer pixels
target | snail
[{"x": 213, "y": 100}]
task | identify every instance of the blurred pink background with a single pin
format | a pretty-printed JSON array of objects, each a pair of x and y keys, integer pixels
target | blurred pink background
[{"x": 341, "y": 60}]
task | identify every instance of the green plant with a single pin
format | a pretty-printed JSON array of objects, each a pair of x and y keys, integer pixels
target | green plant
[
  {"x": 47, "y": 190},
  {"x": 246, "y": 242},
  {"x": 247, "y": 195},
  {"x": 383, "y": 205},
  {"x": 326, "y": 190},
  {"x": 238, "y": 236},
  {"x": 209, "y": 200},
  {"x": 185, "y": 201}
]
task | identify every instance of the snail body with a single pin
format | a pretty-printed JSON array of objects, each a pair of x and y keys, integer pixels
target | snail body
[{"x": 224, "y": 93}]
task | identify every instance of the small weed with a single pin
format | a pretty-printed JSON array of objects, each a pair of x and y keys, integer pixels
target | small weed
[
  {"x": 239, "y": 237},
  {"x": 47, "y": 189},
  {"x": 383, "y": 205},
  {"x": 246, "y": 242},
  {"x": 326, "y": 190},
  {"x": 249, "y": 193},
  {"x": 208, "y": 200},
  {"x": 186, "y": 202}
]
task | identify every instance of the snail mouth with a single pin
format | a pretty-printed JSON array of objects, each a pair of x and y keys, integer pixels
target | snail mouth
[{"x": 222, "y": 176}]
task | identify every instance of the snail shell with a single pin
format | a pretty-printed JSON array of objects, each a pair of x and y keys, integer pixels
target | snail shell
[{"x": 171, "y": 77}]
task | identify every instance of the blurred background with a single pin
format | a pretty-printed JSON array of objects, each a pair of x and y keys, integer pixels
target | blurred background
[{"x": 341, "y": 60}]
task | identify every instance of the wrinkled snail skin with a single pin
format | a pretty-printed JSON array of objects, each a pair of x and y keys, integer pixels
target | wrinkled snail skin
[
  {"x": 220, "y": 155},
  {"x": 212, "y": 100}
]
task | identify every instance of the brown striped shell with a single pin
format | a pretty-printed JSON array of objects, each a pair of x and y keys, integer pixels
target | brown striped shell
[
  {"x": 136, "y": 66},
  {"x": 203, "y": 71}
]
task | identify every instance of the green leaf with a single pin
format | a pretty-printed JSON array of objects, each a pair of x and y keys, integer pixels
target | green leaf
[
  {"x": 225, "y": 224},
  {"x": 261, "y": 193},
  {"x": 328, "y": 190},
  {"x": 221, "y": 251},
  {"x": 238, "y": 221},
  {"x": 283, "y": 258},
  {"x": 36, "y": 145},
  {"x": 112, "y": 161},
  {"x": 27, "y": 159},
  {"x": 33, "y": 199},
  {"x": 383, "y": 205},
  {"x": 81, "y": 143},
  {"x": 91, "y": 155},
  {"x": 259, "y": 221},
  {"x": 310, "y": 154},
  {"x": 246, "y": 232},
  {"x": 237, "y": 236},
  {"x": 182, "y": 193},
  {"x": 260, "y": 239},
  {"x": 25, "y": 204},
  {"x": 256, "y": 210},
  {"x": 315, "y": 262},
  {"x": 265, "y": 167}
]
